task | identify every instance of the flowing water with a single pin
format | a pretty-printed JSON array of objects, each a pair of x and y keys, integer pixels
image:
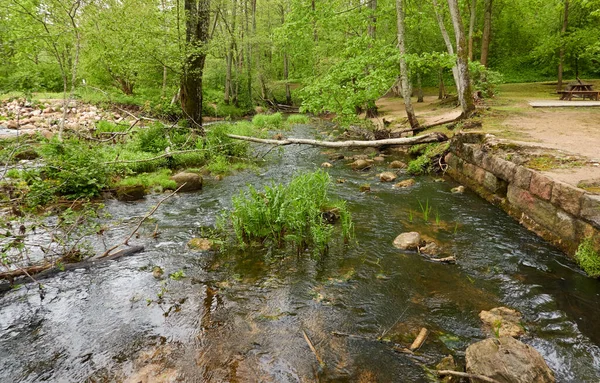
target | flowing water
[{"x": 243, "y": 316}]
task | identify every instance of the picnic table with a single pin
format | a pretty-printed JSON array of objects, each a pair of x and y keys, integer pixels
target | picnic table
[{"x": 579, "y": 90}]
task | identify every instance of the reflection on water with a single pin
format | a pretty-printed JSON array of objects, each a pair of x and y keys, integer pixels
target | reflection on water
[{"x": 240, "y": 317}]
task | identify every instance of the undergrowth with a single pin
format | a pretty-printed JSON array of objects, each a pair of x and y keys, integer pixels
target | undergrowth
[
  {"x": 297, "y": 214},
  {"x": 428, "y": 156}
]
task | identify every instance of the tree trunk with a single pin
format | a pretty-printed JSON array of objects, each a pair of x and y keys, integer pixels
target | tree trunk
[
  {"x": 472, "y": 19},
  {"x": 197, "y": 20},
  {"x": 372, "y": 29},
  {"x": 462, "y": 61},
  {"x": 419, "y": 88},
  {"x": 286, "y": 74},
  {"x": 448, "y": 42},
  {"x": 487, "y": 32},
  {"x": 561, "y": 53},
  {"x": 442, "y": 88},
  {"x": 228, "y": 61},
  {"x": 406, "y": 86}
]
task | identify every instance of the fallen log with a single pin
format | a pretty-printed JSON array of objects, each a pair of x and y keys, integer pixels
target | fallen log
[
  {"x": 423, "y": 139},
  {"x": 48, "y": 271}
]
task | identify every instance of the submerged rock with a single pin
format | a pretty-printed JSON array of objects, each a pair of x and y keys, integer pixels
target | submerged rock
[
  {"x": 387, "y": 177},
  {"x": 406, "y": 183},
  {"x": 130, "y": 192},
  {"x": 408, "y": 241},
  {"x": 431, "y": 249},
  {"x": 397, "y": 165},
  {"x": 326, "y": 165},
  {"x": 502, "y": 321},
  {"x": 202, "y": 244},
  {"x": 192, "y": 181},
  {"x": 507, "y": 360},
  {"x": 361, "y": 164},
  {"x": 448, "y": 363}
]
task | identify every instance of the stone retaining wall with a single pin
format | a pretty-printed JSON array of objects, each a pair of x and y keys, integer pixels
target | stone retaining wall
[{"x": 558, "y": 212}]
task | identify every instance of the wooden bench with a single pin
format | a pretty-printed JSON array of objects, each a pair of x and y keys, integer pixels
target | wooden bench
[{"x": 583, "y": 94}]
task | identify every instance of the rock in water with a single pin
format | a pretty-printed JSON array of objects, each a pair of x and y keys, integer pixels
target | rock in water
[
  {"x": 405, "y": 184},
  {"x": 430, "y": 249},
  {"x": 508, "y": 360},
  {"x": 502, "y": 321},
  {"x": 192, "y": 181},
  {"x": 130, "y": 192},
  {"x": 408, "y": 241},
  {"x": 202, "y": 244},
  {"x": 397, "y": 165},
  {"x": 361, "y": 164},
  {"x": 387, "y": 177},
  {"x": 458, "y": 190}
]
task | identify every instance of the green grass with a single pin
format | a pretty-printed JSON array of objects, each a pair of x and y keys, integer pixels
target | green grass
[
  {"x": 159, "y": 180},
  {"x": 294, "y": 119},
  {"x": 289, "y": 214},
  {"x": 270, "y": 121},
  {"x": 588, "y": 258}
]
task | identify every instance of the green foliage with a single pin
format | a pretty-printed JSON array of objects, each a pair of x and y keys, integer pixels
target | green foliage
[
  {"x": 290, "y": 214},
  {"x": 72, "y": 170},
  {"x": 484, "y": 79},
  {"x": 103, "y": 126},
  {"x": 419, "y": 166},
  {"x": 588, "y": 258},
  {"x": 269, "y": 121},
  {"x": 152, "y": 139}
]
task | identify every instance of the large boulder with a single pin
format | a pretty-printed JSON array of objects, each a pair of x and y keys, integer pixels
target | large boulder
[
  {"x": 408, "y": 241},
  {"x": 130, "y": 192},
  {"x": 507, "y": 360},
  {"x": 192, "y": 181},
  {"x": 502, "y": 321}
]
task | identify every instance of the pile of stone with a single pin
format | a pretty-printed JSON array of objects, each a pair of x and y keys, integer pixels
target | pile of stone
[{"x": 21, "y": 117}]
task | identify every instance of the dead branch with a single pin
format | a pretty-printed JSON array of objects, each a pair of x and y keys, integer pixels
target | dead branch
[
  {"x": 312, "y": 348},
  {"x": 419, "y": 340},
  {"x": 466, "y": 375},
  {"x": 168, "y": 154},
  {"x": 126, "y": 241},
  {"x": 427, "y": 138}
]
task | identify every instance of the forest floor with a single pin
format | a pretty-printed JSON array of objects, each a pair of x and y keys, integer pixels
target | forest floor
[{"x": 558, "y": 133}]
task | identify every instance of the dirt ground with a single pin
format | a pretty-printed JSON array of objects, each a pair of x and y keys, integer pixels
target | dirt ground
[{"x": 561, "y": 131}]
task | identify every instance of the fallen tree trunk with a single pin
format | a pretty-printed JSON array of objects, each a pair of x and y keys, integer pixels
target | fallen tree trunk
[
  {"x": 47, "y": 271},
  {"x": 426, "y": 138}
]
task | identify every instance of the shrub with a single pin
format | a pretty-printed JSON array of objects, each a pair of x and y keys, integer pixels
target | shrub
[
  {"x": 152, "y": 139},
  {"x": 588, "y": 258},
  {"x": 429, "y": 156},
  {"x": 293, "y": 214},
  {"x": 270, "y": 121},
  {"x": 75, "y": 168}
]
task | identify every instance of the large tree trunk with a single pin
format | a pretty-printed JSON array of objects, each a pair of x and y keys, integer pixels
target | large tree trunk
[
  {"x": 197, "y": 20},
  {"x": 405, "y": 84},
  {"x": 371, "y": 108},
  {"x": 561, "y": 53},
  {"x": 472, "y": 18},
  {"x": 487, "y": 32},
  {"x": 448, "y": 42},
  {"x": 462, "y": 61}
]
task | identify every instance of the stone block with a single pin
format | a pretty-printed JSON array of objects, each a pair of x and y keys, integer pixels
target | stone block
[
  {"x": 542, "y": 212},
  {"x": 492, "y": 183},
  {"x": 565, "y": 226},
  {"x": 567, "y": 197},
  {"x": 522, "y": 177},
  {"x": 590, "y": 209},
  {"x": 541, "y": 186},
  {"x": 479, "y": 175},
  {"x": 502, "y": 168}
]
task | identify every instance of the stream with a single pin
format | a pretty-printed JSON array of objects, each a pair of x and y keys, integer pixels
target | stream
[{"x": 240, "y": 316}]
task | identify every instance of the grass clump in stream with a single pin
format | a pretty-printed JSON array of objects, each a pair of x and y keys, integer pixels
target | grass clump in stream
[
  {"x": 271, "y": 121},
  {"x": 299, "y": 214},
  {"x": 588, "y": 258}
]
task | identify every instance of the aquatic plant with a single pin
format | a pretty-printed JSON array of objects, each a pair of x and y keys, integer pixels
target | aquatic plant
[
  {"x": 425, "y": 209},
  {"x": 297, "y": 119},
  {"x": 588, "y": 258},
  {"x": 298, "y": 213}
]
